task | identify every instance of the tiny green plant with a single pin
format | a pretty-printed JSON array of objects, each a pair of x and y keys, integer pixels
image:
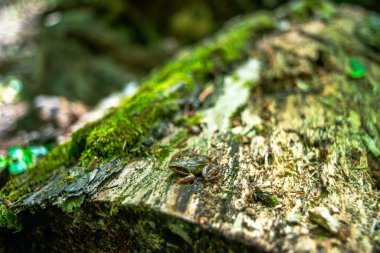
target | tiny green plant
[
  {"x": 356, "y": 69},
  {"x": 19, "y": 159}
]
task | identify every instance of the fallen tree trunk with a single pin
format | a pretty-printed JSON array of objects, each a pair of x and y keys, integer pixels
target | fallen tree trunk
[{"x": 284, "y": 105}]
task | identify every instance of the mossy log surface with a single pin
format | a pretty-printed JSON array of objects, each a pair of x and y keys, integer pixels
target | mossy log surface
[{"x": 285, "y": 103}]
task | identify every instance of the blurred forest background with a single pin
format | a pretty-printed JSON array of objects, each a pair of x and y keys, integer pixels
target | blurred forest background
[{"x": 59, "y": 58}]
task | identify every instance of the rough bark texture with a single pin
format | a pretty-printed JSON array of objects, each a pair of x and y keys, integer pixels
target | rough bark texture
[{"x": 294, "y": 124}]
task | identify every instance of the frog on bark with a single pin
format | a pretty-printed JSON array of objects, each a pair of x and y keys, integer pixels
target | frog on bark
[{"x": 190, "y": 164}]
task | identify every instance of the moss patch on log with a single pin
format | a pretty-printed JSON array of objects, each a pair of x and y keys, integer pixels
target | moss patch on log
[{"x": 8, "y": 219}]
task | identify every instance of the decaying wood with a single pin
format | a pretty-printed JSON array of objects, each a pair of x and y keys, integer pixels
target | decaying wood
[{"x": 298, "y": 147}]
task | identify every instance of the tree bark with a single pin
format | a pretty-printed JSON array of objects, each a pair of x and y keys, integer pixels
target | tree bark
[{"x": 292, "y": 121}]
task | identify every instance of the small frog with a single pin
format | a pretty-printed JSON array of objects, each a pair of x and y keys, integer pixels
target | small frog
[{"x": 190, "y": 164}]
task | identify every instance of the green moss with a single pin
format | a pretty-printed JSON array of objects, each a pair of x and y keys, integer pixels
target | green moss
[
  {"x": 123, "y": 132},
  {"x": 162, "y": 151},
  {"x": 8, "y": 219},
  {"x": 371, "y": 145},
  {"x": 180, "y": 137},
  {"x": 303, "y": 9},
  {"x": 70, "y": 204},
  {"x": 194, "y": 120},
  {"x": 321, "y": 233},
  {"x": 238, "y": 37},
  {"x": 59, "y": 156},
  {"x": 266, "y": 198},
  {"x": 67, "y": 180},
  {"x": 96, "y": 161}
]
